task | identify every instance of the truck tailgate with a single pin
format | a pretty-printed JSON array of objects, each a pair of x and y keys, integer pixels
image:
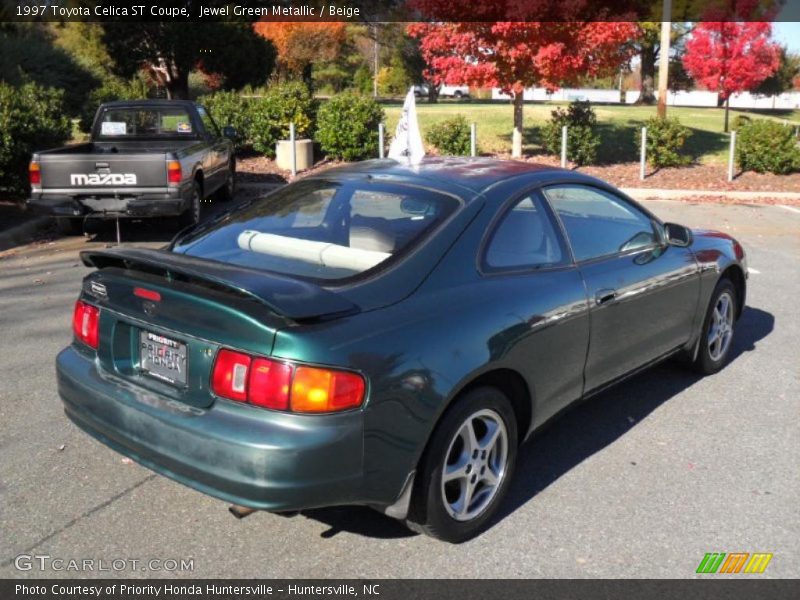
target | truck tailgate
[{"x": 106, "y": 172}]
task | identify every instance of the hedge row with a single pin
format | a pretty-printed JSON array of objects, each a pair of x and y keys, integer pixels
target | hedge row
[
  {"x": 261, "y": 117},
  {"x": 346, "y": 126},
  {"x": 31, "y": 118}
]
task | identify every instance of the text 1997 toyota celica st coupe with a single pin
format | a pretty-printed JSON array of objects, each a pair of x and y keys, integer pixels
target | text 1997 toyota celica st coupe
[{"x": 388, "y": 335}]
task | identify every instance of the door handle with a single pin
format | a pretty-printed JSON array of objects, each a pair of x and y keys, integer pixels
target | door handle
[{"x": 605, "y": 296}]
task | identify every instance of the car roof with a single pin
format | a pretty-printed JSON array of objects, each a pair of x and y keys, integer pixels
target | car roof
[{"x": 445, "y": 173}]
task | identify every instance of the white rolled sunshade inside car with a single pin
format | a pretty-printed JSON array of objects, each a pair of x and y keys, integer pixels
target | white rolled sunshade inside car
[{"x": 324, "y": 254}]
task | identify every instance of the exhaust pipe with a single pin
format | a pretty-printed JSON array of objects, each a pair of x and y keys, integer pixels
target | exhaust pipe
[{"x": 240, "y": 512}]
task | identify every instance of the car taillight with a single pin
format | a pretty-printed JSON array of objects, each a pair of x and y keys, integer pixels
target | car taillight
[
  {"x": 174, "y": 174},
  {"x": 229, "y": 378},
  {"x": 323, "y": 390},
  {"x": 269, "y": 383},
  {"x": 34, "y": 173},
  {"x": 85, "y": 323},
  {"x": 281, "y": 386}
]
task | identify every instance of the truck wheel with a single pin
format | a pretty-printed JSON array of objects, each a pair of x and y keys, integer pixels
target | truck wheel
[
  {"x": 228, "y": 189},
  {"x": 192, "y": 214},
  {"x": 68, "y": 226}
]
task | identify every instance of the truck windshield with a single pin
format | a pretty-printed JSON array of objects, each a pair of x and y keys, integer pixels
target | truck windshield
[
  {"x": 323, "y": 230},
  {"x": 144, "y": 122}
]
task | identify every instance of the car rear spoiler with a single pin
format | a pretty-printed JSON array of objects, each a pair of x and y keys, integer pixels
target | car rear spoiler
[{"x": 292, "y": 298}]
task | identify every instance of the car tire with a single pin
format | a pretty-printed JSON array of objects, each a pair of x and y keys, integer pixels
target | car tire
[
  {"x": 716, "y": 336},
  {"x": 69, "y": 226},
  {"x": 442, "y": 508},
  {"x": 228, "y": 189},
  {"x": 194, "y": 212},
  {"x": 457, "y": 95}
]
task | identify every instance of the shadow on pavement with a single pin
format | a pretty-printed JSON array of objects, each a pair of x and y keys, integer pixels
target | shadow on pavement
[{"x": 582, "y": 431}]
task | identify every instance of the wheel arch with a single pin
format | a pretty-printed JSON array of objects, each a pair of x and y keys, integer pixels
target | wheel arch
[
  {"x": 736, "y": 275},
  {"x": 197, "y": 175},
  {"x": 513, "y": 386}
]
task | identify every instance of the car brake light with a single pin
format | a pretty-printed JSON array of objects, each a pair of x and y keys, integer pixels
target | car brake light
[
  {"x": 174, "y": 174},
  {"x": 34, "y": 173},
  {"x": 282, "y": 386},
  {"x": 147, "y": 294},
  {"x": 269, "y": 384},
  {"x": 85, "y": 323},
  {"x": 229, "y": 378}
]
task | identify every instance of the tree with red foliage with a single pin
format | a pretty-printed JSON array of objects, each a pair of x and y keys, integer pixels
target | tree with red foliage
[
  {"x": 731, "y": 56},
  {"x": 517, "y": 55}
]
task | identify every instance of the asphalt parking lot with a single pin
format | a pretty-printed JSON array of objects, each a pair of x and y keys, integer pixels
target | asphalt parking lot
[{"x": 641, "y": 481}]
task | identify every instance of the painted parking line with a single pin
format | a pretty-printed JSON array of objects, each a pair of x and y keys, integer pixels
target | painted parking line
[{"x": 789, "y": 208}]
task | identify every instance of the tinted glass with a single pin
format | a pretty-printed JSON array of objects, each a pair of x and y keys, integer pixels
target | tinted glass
[
  {"x": 208, "y": 122},
  {"x": 599, "y": 223},
  {"x": 145, "y": 122},
  {"x": 322, "y": 229},
  {"x": 524, "y": 238}
]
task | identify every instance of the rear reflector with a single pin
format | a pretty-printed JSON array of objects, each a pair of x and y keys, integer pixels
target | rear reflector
[
  {"x": 85, "y": 324},
  {"x": 147, "y": 294},
  {"x": 282, "y": 386},
  {"x": 34, "y": 173},
  {"x": 174, "y": 174}
]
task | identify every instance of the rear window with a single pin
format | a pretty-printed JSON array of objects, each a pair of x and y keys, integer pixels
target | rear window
[
  {"x": 160, "y": 121},
  {"x": 322, "y": 230}
]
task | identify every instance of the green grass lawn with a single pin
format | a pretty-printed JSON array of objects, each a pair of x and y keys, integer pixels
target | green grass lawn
[{"x": 617, "y": 126}]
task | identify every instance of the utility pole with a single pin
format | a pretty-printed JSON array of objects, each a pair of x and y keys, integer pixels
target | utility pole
[
  {"x": 663, "y": 62},
  {"x": 375, "y": 54}
]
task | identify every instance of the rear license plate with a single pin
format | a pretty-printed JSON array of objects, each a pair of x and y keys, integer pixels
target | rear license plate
[{"x": 162, "y": 358}]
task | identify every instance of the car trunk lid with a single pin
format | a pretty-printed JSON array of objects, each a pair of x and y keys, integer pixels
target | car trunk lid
[{"x": 164, "y": 316}]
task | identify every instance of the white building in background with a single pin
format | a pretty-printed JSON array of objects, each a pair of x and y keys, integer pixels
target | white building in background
[{"x": 787, "y": 101}]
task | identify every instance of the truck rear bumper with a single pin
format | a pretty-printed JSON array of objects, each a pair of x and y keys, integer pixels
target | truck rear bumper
[{"x": 141, "y": 205}]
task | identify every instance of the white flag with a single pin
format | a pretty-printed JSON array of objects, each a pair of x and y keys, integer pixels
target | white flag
[{"x": 407, "y": 143}]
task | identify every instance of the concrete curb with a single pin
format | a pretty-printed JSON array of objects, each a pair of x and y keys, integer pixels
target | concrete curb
[
  {"x": 22, "y": 233},
  {"x": 664, "y": 194}
]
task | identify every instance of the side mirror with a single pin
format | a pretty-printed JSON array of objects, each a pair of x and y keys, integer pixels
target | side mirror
[
  {"x": 678, "y": 235},
  {"x": 229, "y": 132}
]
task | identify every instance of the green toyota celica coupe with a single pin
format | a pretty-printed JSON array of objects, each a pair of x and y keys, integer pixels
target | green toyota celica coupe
[{"x": 387, "y": 335}]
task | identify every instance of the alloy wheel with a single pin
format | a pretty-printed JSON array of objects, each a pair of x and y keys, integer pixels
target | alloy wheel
[
  {"x": 475, "y": 465},
  {"x": 720, "y": 330}
]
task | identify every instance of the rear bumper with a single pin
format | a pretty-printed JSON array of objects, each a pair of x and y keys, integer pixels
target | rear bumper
[
  {"x": 156, "y": 204},
  {"x": 240, "y": 454}
]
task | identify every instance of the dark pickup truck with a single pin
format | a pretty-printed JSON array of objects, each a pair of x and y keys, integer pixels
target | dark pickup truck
[{"x": 146, "y": 158}]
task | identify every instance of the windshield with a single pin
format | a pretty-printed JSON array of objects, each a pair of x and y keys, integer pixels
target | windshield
[
  {"x": 322, "y": 230},
  {"x": 141, "y": 122}
]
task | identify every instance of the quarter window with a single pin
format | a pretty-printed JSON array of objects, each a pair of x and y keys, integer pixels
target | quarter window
[
  {"x": 599, "y": 223},
  {"x": 524, "y": 238}
]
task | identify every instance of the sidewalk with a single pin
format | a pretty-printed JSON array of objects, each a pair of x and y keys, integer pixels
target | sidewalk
[{"x": 745, "y": 195}]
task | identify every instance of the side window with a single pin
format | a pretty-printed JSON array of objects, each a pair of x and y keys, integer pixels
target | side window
[
  {"x": 599, "y": 223},
  {"x": 524, "y": 238},
  {"x": 208, "y": 122}
]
